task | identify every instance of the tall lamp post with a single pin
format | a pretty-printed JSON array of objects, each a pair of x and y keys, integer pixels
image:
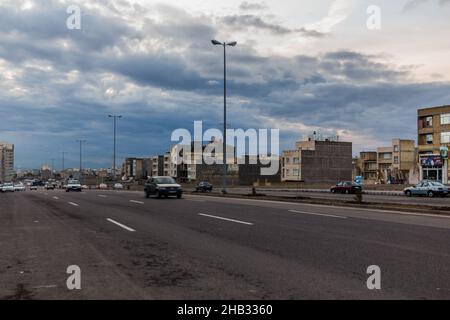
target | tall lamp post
[
  {"x": 115, "y": 117},
  {"x": 63, "y": 175},
  {"x": 225, "y": 169},
  {"x": 81, "y": 156}
]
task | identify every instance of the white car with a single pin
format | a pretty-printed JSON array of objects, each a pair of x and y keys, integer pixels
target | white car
[
  {"x": 73, "y": 185},
  {"x": 8, "y": 187},
  {"x": 19, "y": 187},
  {"x": 118, "y": 186}
]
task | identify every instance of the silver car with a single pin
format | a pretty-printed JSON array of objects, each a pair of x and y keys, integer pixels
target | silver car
[{"x": 427, "y": 188}]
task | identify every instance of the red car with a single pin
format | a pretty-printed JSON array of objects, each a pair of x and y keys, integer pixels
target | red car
[{"x": 346, "y": 187}]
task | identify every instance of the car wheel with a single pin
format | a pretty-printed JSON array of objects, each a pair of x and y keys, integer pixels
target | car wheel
[
  {"x": 158, "y": 194},
  {"x": 347, "y": 192},
  {"x": 179, "y": 196},
  {"x": 147, "y": 195},
  {"x": 430, "y": 194},
  {"x": 408, "y": 193},
  {"x": 333, "y": 191}
]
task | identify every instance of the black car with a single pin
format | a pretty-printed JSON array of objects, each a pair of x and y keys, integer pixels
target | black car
[
  {"x": 163, "y": 187},
  {"x": 346, "y": 187},
  {"x": 204, "y": 187}
]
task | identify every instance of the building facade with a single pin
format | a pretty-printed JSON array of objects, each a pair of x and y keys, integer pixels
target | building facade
[
  {"x": 397, "y": 163},
  {"x": 137, "y": 168},
  {"x": 316, "y": 161},
  {"x": 433, "y": 143},
  {"x": 6, "y": 162}
]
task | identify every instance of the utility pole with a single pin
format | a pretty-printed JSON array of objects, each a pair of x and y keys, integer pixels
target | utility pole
[
  {"x": 81, "y": 156},
  {"x": 63, "y": 165},
  {"x": 225, "y": 167},
  {"x": 115, "y": 117}
]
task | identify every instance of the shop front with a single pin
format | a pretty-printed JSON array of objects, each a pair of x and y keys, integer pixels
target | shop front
[{"x": 433, "y": 168}]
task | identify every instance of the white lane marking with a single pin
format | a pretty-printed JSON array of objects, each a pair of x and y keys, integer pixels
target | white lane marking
[
  {"x": 138, "y": 202},
  {"x": 46, "y": 287},
  {"x": 331, "y": 206},
  {"x": 121, "y": 225},
  {"x": 56, "y": 198},
  {"x": 102, "y": 196},
  {"x": 226, "y": 219},
  {"x": 73, "y": 204},
  {"x": 318, "y": 214}
]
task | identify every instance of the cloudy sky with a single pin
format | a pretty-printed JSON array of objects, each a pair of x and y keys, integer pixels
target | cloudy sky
[{"x": 300, "y": 66}]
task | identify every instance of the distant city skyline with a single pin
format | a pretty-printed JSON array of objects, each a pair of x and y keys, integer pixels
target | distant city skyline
[{"x": 300, "y": 66}]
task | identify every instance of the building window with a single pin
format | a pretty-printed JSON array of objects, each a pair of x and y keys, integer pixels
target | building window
[
  {"x": 396, "y": 148},
  {"x": 296, "y": 160},
  {"x": 445, "y": 137},
  {"x": 296, "y": 172},
  {"x": 429, "y": 139},
  {"x": 396, "y": 160},
  {"x": 445, "y": 118},
  {"x": 428, "y": 122}
]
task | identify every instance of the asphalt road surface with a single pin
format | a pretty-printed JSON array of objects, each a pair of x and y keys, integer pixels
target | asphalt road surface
[{"x": 129, "y": 247}]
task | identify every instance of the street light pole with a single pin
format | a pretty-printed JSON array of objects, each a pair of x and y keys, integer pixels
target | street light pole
[
  {"x": 63, "y": 165},
  {"x": 225, "y": 167},
  {"x": 81, "y": 155},
  {"x": 115, "y": 117}
]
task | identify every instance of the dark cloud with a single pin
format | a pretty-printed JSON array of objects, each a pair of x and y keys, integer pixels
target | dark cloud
[
  {"x": 253, "y": 6},
  {"x": 247, "y": 21}
]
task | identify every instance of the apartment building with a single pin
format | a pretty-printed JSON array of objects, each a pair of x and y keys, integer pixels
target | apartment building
[
  {"x": 433, "y": 143},
  {"x": 137, "y": 168},
  {"x": 318, "y": 161},
  {"x": 368, "y": 166},
  {"x": 397, "y": 163},
  {"x": 6, "y": 161}
]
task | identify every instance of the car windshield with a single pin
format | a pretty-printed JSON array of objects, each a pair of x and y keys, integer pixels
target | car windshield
[
  {"x": 437, "y": 184},
  {"x": 74, "y": 182},
  {"x": 165, "y": 180}
]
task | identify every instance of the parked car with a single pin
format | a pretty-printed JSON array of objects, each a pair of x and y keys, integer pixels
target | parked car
[
  {"x": 8, "y": 187},
  {"x": 427, "y": 188},
  {"x": 73, "y": 185},
  {"x": 19, "y": 187},
  {"x": 163, "y": 187},
  {"x": 118, "y": 186},
  {"x": 346, "y": 187},
  {"x": 204, "y": 187}
]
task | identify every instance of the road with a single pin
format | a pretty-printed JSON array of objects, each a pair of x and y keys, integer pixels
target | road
[
  {"x": 129, "y": 247},
  {"x": 437, "y": 201}
]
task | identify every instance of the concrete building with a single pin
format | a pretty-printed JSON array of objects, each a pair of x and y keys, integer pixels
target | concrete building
[
  {"x": 250, "y": 171},
  {"x": 397, "y": 163},
  {"x": 368, "y": 166},
  {"x": 6, "y": 161},
  {"x": 137, "y": 168},
  {"x": 433, "y": 143},
  {"x": 318, "y": 161}
]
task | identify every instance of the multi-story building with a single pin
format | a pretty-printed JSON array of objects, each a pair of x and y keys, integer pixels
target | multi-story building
[
  {"x": 137, "y": 168},
  {"x": 318, "y": 161},
  {"x": 6, "y": 161},
  {"x": 368, "y": 166},
  {"x": 397, "y": 162},
  {"x": 433, "y": 143}
]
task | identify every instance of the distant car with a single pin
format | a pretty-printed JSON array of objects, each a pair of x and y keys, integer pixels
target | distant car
[
  {"x": 163, "y": 187},
  {"x": 33, "y": 187},
  {"x": 204, "y": 187},
  {"x": 103, "y": 186},
  {"x": 8, "y": 187},
  {"x": 49, "y": 186},
  {"x": 346, "y": 187},
  {"x": 73, "y": 185},
  {"x": 118, "y": 186},
  {"x": 84, "y": 187},
  {"x": 427, "y": 188},
  {"x": 19, "y": 187}
]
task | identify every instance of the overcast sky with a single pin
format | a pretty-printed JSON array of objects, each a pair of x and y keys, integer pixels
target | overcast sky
[{"x": 300, "y": 66}]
